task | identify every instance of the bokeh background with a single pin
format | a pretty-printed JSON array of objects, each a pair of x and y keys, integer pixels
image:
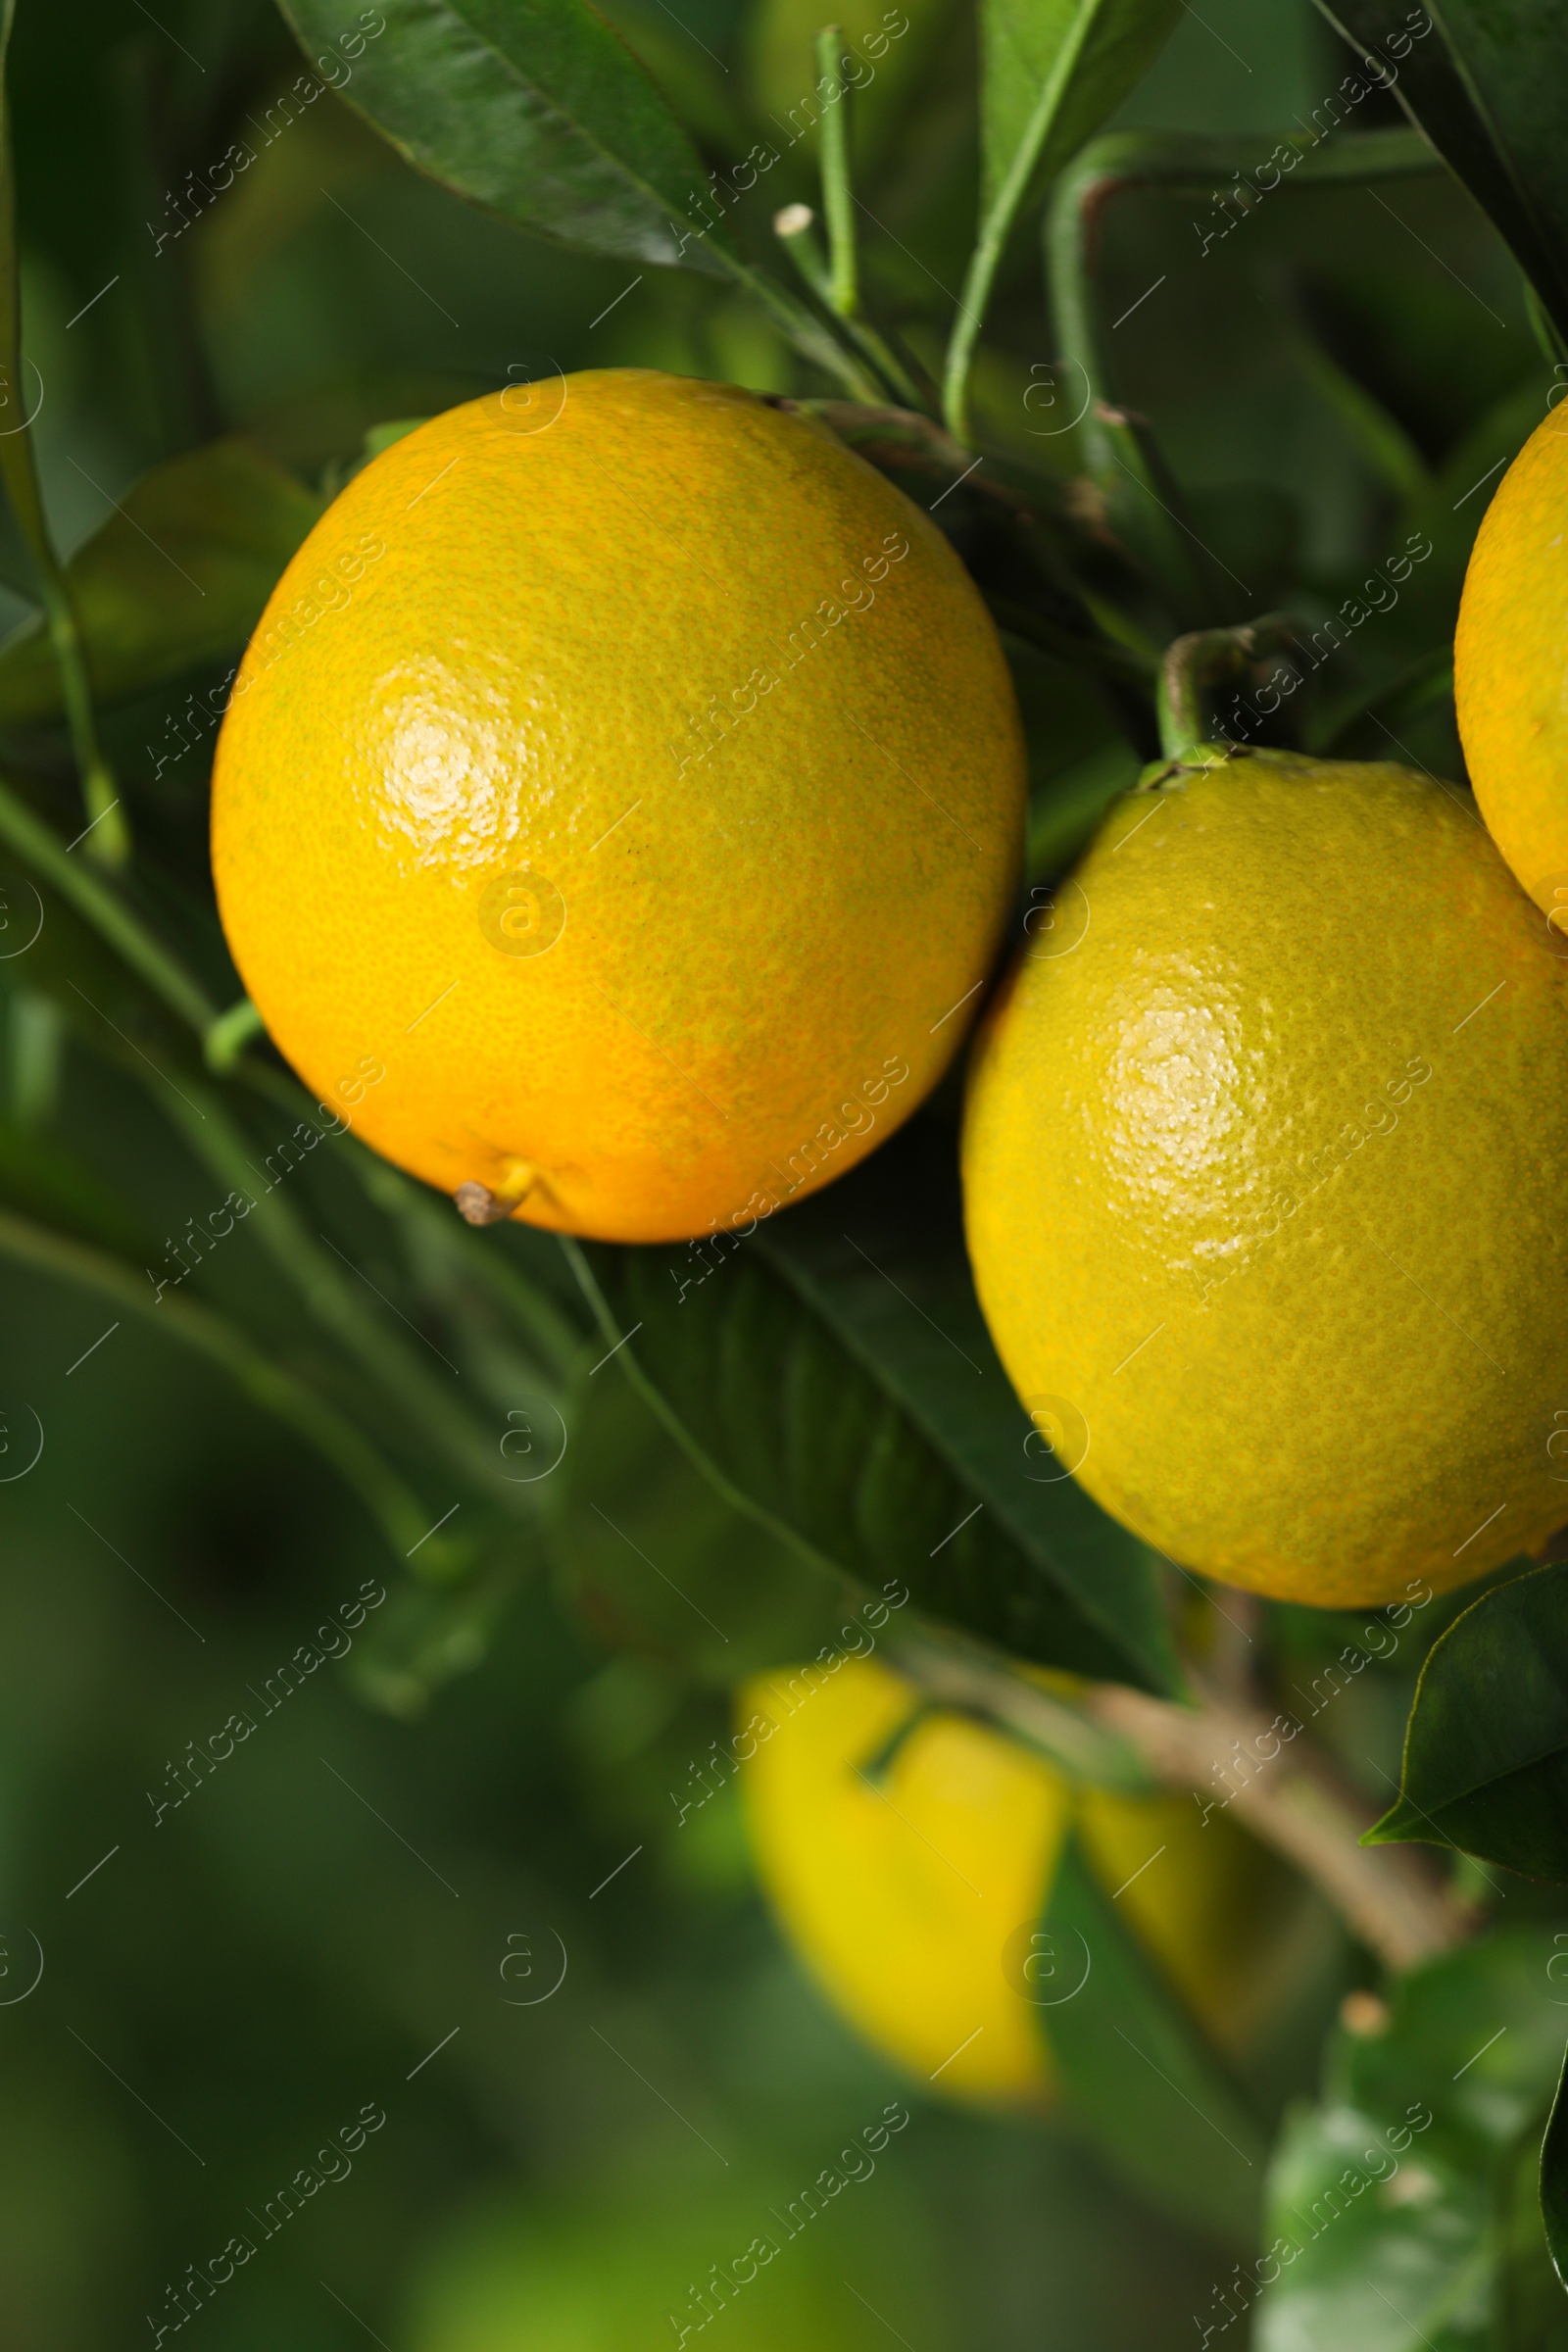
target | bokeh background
[{"x": 366, "y": 1903}]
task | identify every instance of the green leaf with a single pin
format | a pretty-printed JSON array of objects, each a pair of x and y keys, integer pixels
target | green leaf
[
  {"x": 174, "y": 579},
  {"x": 655, "y": 1560},
  {"x": 1141, "y": 2080},
  {"x": 1484, "y": 82},
  {"x": 834, "y": 1374},
  {"x": 1394, "y": 2216},
  {"x": 537, "y": 110},
  {"x": 1486, "y": 1750},
  {"x": 1052, "y": 72}
]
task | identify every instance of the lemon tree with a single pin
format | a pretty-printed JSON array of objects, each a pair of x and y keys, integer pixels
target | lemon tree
[{"x": 780, "y": 930}]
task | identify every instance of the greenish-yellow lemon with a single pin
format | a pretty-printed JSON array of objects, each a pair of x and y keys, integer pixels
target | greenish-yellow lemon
[{"x": 1265, "y": 1163}]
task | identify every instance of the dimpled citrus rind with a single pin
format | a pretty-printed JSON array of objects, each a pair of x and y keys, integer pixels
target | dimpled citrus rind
[
  {"x": 1510, "y": 666},
  {"x": 1266, "y": 1154},
  {"x": 618, "y": 805},
  {"x": 914, "y": 1883}
]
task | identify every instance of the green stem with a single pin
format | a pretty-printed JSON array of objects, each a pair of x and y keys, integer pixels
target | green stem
[
  {"x": 1543, "y": 327},
  {"x": 838, "y": 195},
  {"x": 811, "y": 340},
  {"x": 1119, "y": 453},
  {"x": 328, "y": 1286},
  {"x": 401, "y": 1515},
  {"x": 227, "y": 1037},
  {"x": 956, "y": 1672},
  {"x": 102, "y": 906},
  {"x": 224, "y": 1036},
  {"x": 1202, "y": 659},
  {"x": 108, "y": 834},
  {"x": 979, "y": 278},
  {"x": 793, "y": 227}
]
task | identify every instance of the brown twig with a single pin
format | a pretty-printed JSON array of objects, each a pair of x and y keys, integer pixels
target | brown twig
[
  {"x": 1284, "y": 1788},
  {"x": 1292, "y": 1799}
]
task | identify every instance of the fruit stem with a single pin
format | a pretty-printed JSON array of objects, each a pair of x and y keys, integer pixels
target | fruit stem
[
  {"x": 1204, "y": 657},
  {"x": 1295, "y": 1802}
]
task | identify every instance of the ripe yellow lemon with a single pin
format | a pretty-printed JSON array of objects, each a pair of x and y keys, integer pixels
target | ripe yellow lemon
[
  {"x": 1265, "y": 1160},
  {"x": 617, "y": 804},
  {"x": 917, "y": 1892},
  {"x": 1510, "y": 668}
]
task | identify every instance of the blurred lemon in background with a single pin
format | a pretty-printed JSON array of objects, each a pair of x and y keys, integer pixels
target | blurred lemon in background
[{"x": 909, "y": 1852}]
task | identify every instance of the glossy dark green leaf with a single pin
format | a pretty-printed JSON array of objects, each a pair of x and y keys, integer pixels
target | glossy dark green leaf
[
  {"x": 1053, "y": 71},
  {"x": 834, "y": 1372},
  {"x": 1139, "y": 2079},
  {"x": 1483, "y": 80},
  {"x": 1486, "y": 1751},
  {"x": 1396, "y": 2219},
  {"x": 175, "y": 578},
  {"x": 535, "y": 109},
  {"x": 654, "y": 1559}
]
